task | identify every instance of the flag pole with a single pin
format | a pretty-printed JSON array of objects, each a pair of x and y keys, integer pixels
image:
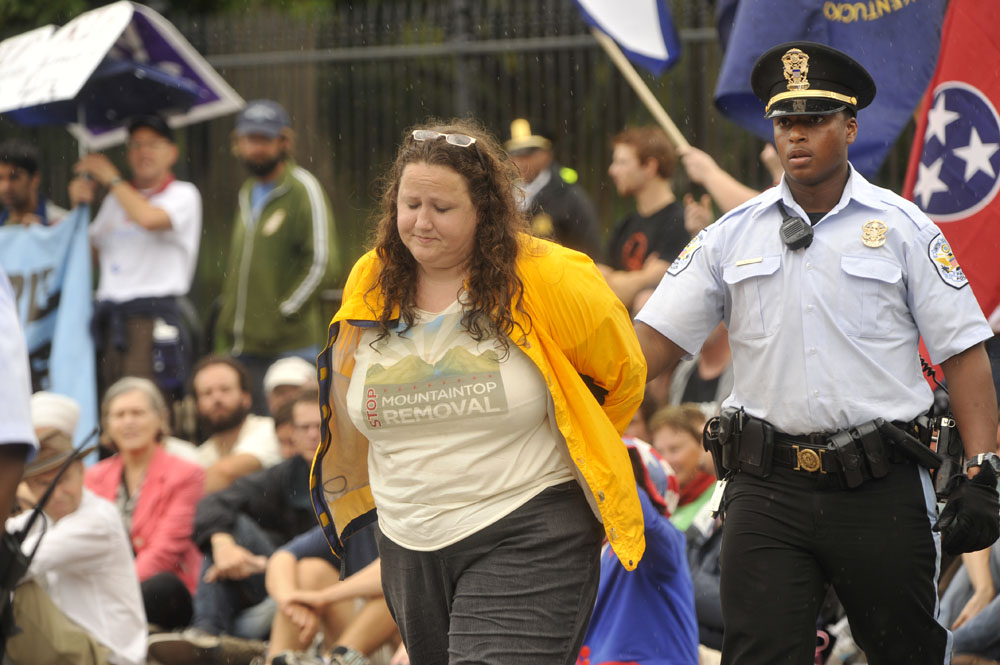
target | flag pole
[{"x": 645, "y": 94}]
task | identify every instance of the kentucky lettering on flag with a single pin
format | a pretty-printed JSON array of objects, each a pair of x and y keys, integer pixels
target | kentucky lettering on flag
[
  {"x": 954, "y": 170},
  {"x": 49, "y": 268},
  {"x": 643, "y": 29},
  {"x": 895, "y": 40}
]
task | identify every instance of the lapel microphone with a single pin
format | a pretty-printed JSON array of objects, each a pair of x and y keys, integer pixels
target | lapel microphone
[{"x": 795, "y": 232}]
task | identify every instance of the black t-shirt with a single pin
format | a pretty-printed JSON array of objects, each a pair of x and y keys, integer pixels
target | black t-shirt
[
  {"x": 700, "y": 390},
  {"x": 635, "y": 237}
]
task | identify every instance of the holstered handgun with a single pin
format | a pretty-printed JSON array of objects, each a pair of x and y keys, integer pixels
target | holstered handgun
[
  {"x": 842, "y": 445},
  {"x": 721, "y": 438},
  {"x": 710, "y": 439}
]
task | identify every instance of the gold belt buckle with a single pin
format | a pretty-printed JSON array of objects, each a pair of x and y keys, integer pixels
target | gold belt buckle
[{"x": 807, "y": 459}]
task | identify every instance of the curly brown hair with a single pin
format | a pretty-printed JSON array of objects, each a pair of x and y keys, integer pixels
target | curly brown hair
[{"x": 493, "y": 290}]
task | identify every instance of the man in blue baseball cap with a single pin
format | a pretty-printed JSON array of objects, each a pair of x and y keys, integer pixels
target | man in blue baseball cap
[{"x": 283, "y": 250}]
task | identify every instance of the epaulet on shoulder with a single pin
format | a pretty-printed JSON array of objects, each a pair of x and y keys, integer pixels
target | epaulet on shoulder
[
  {"x": 909, "y": 209},
  {"x": 741, "y": 208}
]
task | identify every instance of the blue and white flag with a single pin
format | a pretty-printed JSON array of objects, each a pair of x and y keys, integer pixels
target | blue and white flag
[
  {"x": 49, "y": 269},
  {"x": 643, "y": 29},
  {"x": 895, "y": 40}
]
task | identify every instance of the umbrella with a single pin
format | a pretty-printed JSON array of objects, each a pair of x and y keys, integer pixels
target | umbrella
[
  {"x": 105, "y": 66},
  {"x": 117, "y": 90}
]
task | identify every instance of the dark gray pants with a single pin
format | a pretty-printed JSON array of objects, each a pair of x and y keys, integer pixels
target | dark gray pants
[{"x": 519, "y": 592}]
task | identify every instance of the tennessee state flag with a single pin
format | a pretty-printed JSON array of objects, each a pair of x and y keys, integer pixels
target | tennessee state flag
[{"x": 954, "y": 169}]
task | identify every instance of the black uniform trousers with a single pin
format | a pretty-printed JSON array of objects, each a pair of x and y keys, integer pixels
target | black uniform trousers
[{"x": 787, "y": 537}]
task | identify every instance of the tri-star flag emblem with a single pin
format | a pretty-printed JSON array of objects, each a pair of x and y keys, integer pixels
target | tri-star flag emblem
[{"x": 959, "y": 170}]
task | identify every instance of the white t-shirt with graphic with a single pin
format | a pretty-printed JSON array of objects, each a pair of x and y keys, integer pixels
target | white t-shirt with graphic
[{"x": 460, "y": 436}]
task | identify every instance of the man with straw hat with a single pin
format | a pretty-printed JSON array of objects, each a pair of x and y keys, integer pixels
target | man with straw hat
[{"x": 79, "y": 601}]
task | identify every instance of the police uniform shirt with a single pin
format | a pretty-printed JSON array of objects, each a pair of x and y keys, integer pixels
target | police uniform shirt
[
  {"x": 15, "y": 386},
  {"x": 826, "y": 337}
]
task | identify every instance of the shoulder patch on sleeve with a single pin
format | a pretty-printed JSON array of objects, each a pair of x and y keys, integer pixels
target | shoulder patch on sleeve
[
  {"x": 683, "y": 259},
  {"x": 945, "y": 262}
]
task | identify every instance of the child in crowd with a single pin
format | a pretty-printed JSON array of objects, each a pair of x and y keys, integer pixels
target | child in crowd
[{"x": 646, "y": 617}]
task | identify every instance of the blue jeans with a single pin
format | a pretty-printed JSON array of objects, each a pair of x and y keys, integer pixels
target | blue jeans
[
  {"x": 518, "y": 592},
  {"x": 980, "y": 634},
  {"x": 236, "y": 607}
]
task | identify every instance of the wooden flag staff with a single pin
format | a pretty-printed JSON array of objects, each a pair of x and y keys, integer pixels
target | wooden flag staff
[{"x": 645, "y": 94}]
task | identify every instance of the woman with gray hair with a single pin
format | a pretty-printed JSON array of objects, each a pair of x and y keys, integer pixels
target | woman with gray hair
[{"x": 156, "y": 494}]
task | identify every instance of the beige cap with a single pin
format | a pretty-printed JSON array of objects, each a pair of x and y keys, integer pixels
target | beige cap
[
  {"x": 56, "y": 411},
  {"x": 59, "y": 414},
  {"x": 289, "y": 372}
]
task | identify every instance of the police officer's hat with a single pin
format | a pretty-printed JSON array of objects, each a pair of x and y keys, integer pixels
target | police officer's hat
[
  {"x": 523, "y": 139},
  {"x": 806, "y": 78}
]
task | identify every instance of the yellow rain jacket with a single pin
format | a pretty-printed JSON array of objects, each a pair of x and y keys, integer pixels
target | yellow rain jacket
[{"x": 576, "y": 328}]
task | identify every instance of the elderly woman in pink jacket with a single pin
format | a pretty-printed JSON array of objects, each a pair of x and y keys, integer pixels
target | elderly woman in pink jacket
[{"x": 156, "y": 493}]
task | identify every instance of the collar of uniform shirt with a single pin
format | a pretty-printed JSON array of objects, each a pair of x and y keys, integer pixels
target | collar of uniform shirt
[{"x": 857, "y": 189}]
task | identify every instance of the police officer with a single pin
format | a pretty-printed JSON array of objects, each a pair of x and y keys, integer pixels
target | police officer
[
  {"x": 826, "y": 283},
  {"x": 558, "y": 209}
]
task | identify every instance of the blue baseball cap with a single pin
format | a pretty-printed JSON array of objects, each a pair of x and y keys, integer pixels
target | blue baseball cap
[{"x": 262, "y": 117}]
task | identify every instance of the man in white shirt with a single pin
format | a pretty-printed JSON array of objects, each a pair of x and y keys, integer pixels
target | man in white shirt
[
  {"x": 79, "y": 601},
  {"x": 239, "y": 442},
  {"x": 146, "y": 235}
]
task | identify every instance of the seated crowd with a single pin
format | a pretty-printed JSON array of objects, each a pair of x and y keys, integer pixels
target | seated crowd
[{"x": 169, "y": 552}]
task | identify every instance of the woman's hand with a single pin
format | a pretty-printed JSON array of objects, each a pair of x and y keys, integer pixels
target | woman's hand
[
  {"x": 314, "y": 599},
  {"x": 304, "y": 618}
]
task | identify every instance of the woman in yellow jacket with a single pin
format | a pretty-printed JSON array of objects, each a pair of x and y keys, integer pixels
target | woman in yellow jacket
[{"x": 474, "y": 388}]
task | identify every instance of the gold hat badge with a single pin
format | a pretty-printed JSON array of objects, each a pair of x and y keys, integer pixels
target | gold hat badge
[{"x": 796, "y": 69}]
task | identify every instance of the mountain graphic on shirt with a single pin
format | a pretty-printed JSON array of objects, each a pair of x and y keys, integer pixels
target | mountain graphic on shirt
[
  {"x": 460, "y": 361},
  {"x": 409, "y": 369},
  {"x": 456, "y": 362}
]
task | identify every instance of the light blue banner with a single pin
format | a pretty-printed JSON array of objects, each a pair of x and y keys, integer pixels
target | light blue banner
[{"x": 49, "y": 268}]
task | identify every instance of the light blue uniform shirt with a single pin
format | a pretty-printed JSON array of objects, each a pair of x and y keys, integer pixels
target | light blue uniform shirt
[
  {"x": 15, "y": 378},
  {"x": 826, "y": 337}
]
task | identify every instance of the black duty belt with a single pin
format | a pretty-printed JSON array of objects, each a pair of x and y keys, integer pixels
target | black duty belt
[
  {"x": 740, "y": 442},
  {"x": 799, "y": 454}
]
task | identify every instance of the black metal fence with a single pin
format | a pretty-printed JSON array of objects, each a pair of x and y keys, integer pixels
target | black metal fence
[{"x": 354, "y": 77}]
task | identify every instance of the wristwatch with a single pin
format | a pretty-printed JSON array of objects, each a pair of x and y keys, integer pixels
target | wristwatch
[{"x": 989, "y": 459}]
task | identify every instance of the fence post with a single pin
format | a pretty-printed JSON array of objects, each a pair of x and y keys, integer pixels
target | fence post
[{"x": 460, "y": 9}]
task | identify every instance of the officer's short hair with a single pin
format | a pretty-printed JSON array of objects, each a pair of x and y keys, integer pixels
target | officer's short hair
[
  {"x": 650, "y": 142},
  {"x": 20, "y": 154}
]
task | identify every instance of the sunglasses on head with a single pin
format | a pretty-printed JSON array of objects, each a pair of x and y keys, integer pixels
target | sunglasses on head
[{"x": 461, "y": 140}]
